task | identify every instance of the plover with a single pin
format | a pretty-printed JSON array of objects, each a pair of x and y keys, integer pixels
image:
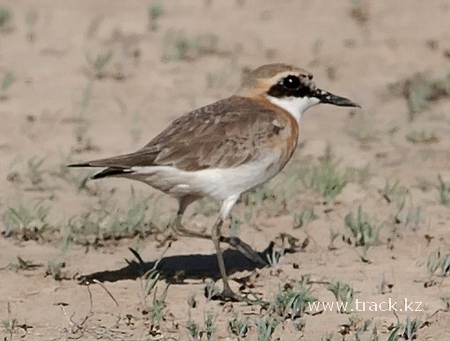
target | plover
[{"x": 226, "y": 148}]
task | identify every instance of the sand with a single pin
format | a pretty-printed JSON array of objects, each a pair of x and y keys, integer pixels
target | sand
[{"x": 92, "y": 79}]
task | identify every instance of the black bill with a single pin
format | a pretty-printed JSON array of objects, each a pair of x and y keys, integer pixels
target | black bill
[{"x": 327, "y": 97}]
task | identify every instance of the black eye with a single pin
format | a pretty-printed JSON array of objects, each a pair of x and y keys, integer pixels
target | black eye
[{"x": 291, "y": 82}]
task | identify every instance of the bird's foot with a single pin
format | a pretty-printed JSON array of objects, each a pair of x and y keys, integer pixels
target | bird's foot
[
  {"x": 228, "y": 295},
  {"x": 245, "y": 249}
]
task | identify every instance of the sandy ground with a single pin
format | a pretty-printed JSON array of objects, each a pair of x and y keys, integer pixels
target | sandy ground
[{"x": 92, "y": 79}]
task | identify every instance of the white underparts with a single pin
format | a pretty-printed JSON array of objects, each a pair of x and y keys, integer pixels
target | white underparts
[{"x": 219, "y": 183}]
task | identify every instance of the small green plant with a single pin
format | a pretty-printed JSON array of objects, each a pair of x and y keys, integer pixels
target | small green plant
[
  {"x": 207, "y": 44},
  {"x": 258, "y": 196},
  {"x": 31, "y": 18},
  {"x": 392, "y": 192},
  {"x": 194, "y": 329},
  {"x": 374, "y": 334},
  {"x": 235, "y": 226},
  {"x": 31, "y": 172},
  {"x": 81, "y": 124},
  {"x": 303, "y": 218},
  {"x": 178, "y": 46},
  {"x": 7, "y": 81},
  {"x": 328, "y": 336},
  {"x": 158, "y": 306},
  {"x": 333, "y": 236},
  {"x": 422, "y": 137},
  {"x": 421, "y": 90},
  {"x": 360, "y": 12},
  {"x": 395, "y": 333},
  {"x": 411, "y": 328},
  {"x": 359, "y": 325},
  {"x": 444, "y": 191},
  {"x": 26, "y": 221},
  {"x": 5, "y": 19},
  {"x": 437, "y": 260},
  {"x": 275, "y": 258},
  {"x": 325, "y": 178},
  {"x": 197, "y": 332},
  {"x": 411, "y": 218},
  {"x": 54, "y": 269},
  {"x": 292, "y": 301},
  {"x": 266, "y": 326},
  {"x": 192, "y": 302},
  {"x": 160, "y": 222},
  {"x": 23, "y": 264},
  {"x": 80, "y": 132},
  {"x": 385, "y": 286},
  {"x": 98, "y": 63},
  {"x": 363, "y": 232},
  {"x": 238, "y": 327},
  {"x": 149, "y": 281},
  {"x": 344, "y": 293},
  {"x": 81, "y": 105},
  {"x": 206, "y": 208},
  {"x": 79, "y": 178},
  {"x": 11, "y": 323},
  {"x": 134, "y": 219},
  {"x": 446, "y": 300},
  {"x": 85, "y": 229},
  {"x": 363, "y": 129},
  {"x": 102, "y": 223},
  {"x": 155, "y": 11},
  {"x": 445, "y": 264},
  {"x": 210, "y": 328},
  {"x": 35, "y": 171},
  {"x": 10, "y": 326},
  {"x": 211, "y": 290},
  {"x": 434, "y": 261},
  {"x": 300, "y": 324},
  {"x": 424, "y": 184}
]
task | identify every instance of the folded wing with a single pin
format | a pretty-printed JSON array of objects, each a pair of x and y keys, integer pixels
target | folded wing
[{"x": 225, "y": 134}]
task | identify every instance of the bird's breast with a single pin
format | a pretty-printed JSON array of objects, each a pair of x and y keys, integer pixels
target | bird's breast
[{"x": 284, "y": 138}]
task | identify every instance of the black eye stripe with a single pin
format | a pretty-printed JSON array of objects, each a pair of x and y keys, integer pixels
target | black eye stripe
[{"x": 289, "y": 86}]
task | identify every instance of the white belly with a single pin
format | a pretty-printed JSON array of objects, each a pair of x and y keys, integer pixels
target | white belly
[{"x": 219, "y": 183}]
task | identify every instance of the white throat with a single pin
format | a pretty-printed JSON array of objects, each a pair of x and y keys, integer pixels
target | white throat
[{"x": 296, "y": 106}]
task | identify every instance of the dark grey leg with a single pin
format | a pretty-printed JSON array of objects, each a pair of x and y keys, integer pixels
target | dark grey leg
[
  {"x": 227, "y": 293},
  {"x": 235, "y": 242}
]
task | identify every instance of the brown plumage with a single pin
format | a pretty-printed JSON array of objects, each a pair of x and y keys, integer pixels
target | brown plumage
[
  {"x": 226, "y": 148},
  {"x": 225, "y": 134}
]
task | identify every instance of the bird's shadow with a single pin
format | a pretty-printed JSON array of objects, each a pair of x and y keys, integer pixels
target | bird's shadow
[{"x": 177, "y": 268}]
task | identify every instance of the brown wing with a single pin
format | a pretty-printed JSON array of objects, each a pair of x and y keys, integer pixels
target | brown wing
[{"x": 227, "y": 133}]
